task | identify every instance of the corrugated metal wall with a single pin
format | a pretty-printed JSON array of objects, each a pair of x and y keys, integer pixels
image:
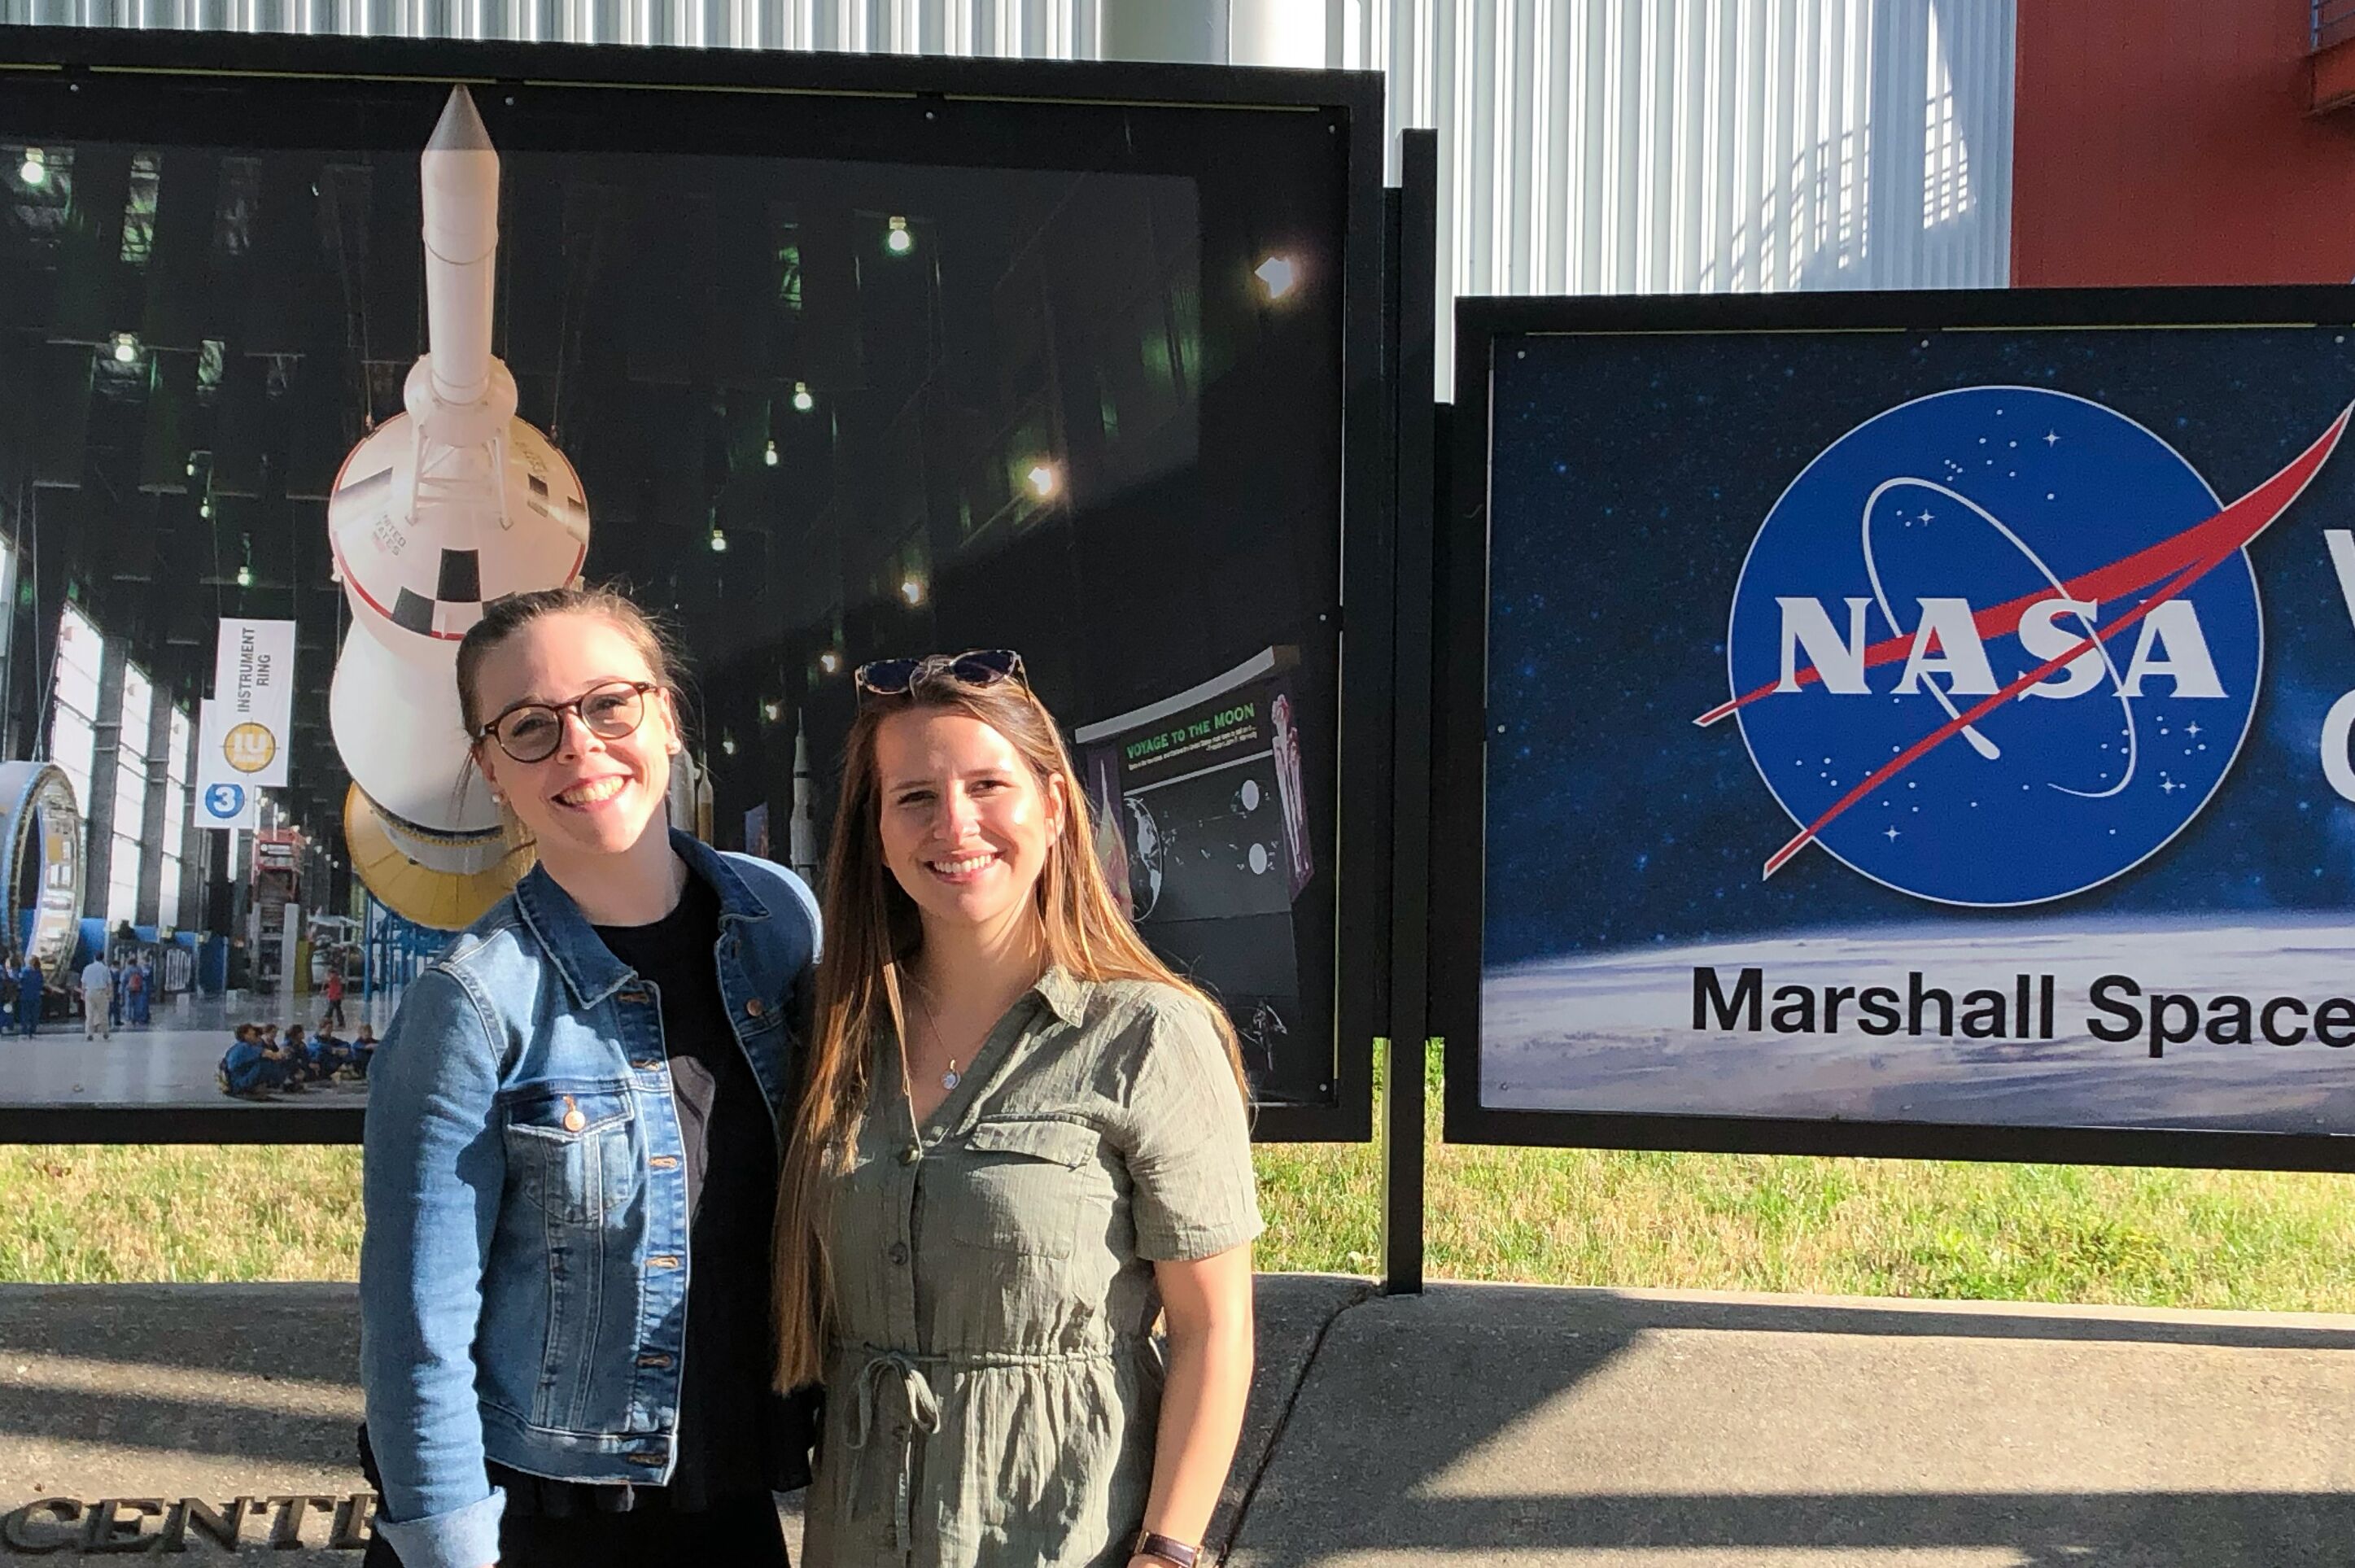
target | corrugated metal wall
[
  {"x": 1035, "y": 30},
  {"x": 1586, "y": 146},
  {"x": 1646, "y": 146}
]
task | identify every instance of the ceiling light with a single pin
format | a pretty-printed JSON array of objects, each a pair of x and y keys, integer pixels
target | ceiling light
[
  {"x": 34, "y": 169},
  {"x": 769, "y": 456},
  {"x": 802, "y": 398},
  {"x": 718, "y": 540},
  {"x": 830, "y": 662},
  {"x": 912, "y": 589},
  {"x": 1277, "y": 275},
  {"x": 1043, "y": 479},
  {"x": 898, "y": 240}
]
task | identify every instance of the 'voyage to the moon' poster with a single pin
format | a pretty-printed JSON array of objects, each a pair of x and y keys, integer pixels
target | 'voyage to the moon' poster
[{"x": 1202, "y": 821}]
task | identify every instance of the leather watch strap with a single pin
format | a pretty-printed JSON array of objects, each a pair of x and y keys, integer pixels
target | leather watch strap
[{"x": 1175, "y": 1552}]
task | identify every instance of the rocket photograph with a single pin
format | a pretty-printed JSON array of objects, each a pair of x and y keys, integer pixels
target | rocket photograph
[{"x": 298, "y": 382}]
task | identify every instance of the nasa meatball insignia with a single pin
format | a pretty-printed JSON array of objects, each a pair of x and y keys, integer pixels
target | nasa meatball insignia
[{"x": 2028, "y": 572}]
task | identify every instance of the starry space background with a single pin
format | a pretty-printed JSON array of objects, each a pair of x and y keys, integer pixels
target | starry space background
[{"x": 1629, "y": 475}]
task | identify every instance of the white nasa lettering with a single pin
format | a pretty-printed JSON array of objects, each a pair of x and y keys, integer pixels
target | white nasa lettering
[
  {"x": 1840, "y": 665},
  {"x": 2339, "y": 724},
  {"x": 2046, "y": 641},
  {"x": 2173, "y": 628},
  {"x": 2168, "y": 643},
  {"x": 1946, "y": 643}
]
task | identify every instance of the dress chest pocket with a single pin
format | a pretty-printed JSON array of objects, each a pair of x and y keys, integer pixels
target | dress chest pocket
[
  {"x": 572, "y": 1152},
  {"x": 1012, "y": 1186}
]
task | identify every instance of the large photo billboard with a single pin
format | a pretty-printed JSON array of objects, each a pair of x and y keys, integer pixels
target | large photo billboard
[
  {"x": 1916, "y": 723},
  {"x": 823, "y": 369}
]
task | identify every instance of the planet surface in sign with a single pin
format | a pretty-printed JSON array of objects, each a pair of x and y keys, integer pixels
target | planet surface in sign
[
  {"x": 1997, "y": 645},
  {"x": 1146, "y": 846}
]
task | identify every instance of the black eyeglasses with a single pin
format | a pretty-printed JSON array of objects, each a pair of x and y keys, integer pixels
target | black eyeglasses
[
  {"x": 975, "y": 667},
  {"x": 531, "y": 732}
]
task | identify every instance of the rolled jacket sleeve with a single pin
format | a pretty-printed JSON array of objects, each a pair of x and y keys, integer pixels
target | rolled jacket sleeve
[
  {"x": 431, "y": 1176},
  {"x": 1189, "y": 1143}
]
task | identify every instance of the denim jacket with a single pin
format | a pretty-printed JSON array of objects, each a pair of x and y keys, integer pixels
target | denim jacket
[{"x": 525, "y": 1268}]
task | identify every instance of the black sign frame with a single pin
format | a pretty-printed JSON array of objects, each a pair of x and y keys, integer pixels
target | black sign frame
[
  {"x": 1461, "y": 597},
  {"x": 917, "y": 109}
]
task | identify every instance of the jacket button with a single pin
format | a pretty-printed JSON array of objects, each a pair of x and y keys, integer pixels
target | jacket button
[
  {"x": 899, "y": 1253},
  {"x": 662, "y": 1260},
  {"x": 754, "y": 1008},
  {"x": 911, "y": 1155},
  {"x": 665, "y": 1162}
]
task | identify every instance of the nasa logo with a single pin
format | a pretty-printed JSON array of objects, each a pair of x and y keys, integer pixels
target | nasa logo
[
  {"x": 1998, "y": 645},
  {"x": 225, "y": 801}
]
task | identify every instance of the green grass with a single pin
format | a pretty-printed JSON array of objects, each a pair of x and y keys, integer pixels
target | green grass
[
  {"x": 2160, "y": 1238},
  {"x": 2242, "y": 1240},
  {"x": 74, "y": 1214}
]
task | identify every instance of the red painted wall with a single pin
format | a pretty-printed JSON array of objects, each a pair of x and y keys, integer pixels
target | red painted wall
[{"x": 2167, "y": 142}]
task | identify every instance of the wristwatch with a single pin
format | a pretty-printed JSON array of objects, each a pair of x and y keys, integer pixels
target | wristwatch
[{"x": 1175, "y": 1552}]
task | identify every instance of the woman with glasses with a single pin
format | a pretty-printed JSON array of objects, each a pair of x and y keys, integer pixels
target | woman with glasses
[
  {"x": 573, "y": 1149},
  {"x": 1023, "y": 1141}
]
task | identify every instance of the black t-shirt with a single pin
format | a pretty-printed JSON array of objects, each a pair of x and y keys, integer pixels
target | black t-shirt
[{"x": 732, "y": 1189}]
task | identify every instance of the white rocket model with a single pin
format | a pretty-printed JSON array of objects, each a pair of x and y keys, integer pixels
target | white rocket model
[
  {"x": 436, "y": 512},
  {"x": 802, "y": 842}
]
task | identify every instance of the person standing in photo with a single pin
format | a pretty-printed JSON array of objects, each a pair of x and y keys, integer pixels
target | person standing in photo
[
  {"x": 136, "y": 978},
  {"x": 333, "y": 990},
  {"x": 29, "y": 998},
  {"x": 571, "y": 1149},
  {"x": 97, "y": 999},
  {"x": 1023, "y": 1142}
]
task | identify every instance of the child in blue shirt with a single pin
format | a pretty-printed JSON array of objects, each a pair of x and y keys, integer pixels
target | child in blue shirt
[{"x": 245, "y": 1071}]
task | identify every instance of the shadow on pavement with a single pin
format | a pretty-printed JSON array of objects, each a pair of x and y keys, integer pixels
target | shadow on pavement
[{"x": 1500, "y": 1423}]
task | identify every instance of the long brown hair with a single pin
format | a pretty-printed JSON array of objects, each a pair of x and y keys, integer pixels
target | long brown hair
[{"x": 872, "y": 927}]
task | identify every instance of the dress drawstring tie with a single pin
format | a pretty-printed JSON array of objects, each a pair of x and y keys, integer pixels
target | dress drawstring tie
[{"x": 924, "y": 1415}]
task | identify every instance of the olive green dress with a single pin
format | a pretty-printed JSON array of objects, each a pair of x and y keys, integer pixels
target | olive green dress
[{"x": 994, "y": 1384}]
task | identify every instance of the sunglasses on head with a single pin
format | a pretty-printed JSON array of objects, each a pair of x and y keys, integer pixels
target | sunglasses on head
[{"x": 975, "y": 668}]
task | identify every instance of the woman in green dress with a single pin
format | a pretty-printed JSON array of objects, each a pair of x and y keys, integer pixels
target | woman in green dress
[{"x": 1023, "y": 1144}]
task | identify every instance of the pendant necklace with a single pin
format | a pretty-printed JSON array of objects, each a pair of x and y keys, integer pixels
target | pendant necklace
[{"x": 950, "y": 1079}]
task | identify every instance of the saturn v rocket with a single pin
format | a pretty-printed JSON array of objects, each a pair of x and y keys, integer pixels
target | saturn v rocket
[{"x": 437, "y": 511}]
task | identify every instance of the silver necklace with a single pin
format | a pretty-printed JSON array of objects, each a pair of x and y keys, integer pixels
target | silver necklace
[{"x": 950, "y": 1079}]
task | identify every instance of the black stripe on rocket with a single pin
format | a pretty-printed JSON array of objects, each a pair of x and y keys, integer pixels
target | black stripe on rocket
[
  {"x": 462, "y": 577},
  {"x": 412, "y": 612}
]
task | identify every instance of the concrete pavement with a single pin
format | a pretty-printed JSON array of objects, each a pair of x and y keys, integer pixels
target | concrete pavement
[
  {"x": 1501, "y": 1424},
  {"x": 1475, "y": 1424}
]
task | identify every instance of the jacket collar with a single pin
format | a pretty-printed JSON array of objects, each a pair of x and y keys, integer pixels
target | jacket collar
[{"x": 591, "y": 971}]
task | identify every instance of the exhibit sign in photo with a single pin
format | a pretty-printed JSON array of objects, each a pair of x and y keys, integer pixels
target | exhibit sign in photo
[{"x": 1912, "y": 712}]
